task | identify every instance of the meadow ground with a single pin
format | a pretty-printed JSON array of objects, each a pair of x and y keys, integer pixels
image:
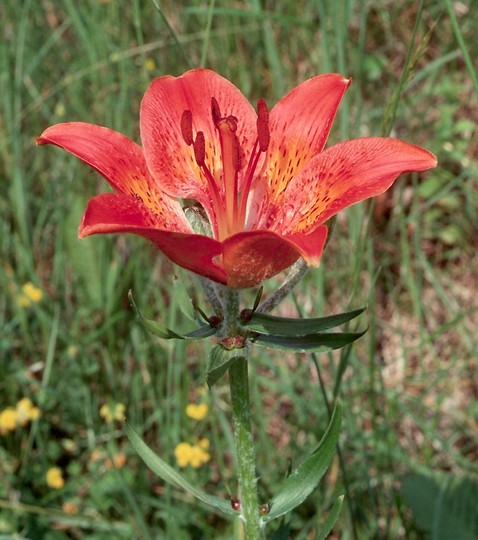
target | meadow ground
[{"x": 72, "y": 354}]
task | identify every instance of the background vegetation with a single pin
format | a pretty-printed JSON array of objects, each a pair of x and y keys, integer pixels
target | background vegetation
[{"x": 410, "y": 385}]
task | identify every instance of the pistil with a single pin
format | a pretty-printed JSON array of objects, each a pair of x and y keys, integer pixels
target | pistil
[{"x": 231, "y": 162}]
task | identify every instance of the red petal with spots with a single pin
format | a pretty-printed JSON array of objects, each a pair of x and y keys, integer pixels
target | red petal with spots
[
  {"x": 114, "y": 213},
  {"x": 303, "y": 118},
  {"x": 345, "y": 174},
  {"x": 116, "y": 157},
  {"x": 300, "y": 124},
  {"x": 170, "y": 159},
  {"x": 249, "y": 258},
  {"x": 121, "y": 162}
]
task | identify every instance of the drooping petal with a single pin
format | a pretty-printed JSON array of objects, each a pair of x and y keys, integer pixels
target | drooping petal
[
  {"x": 251, "y": 257},
  {"x": 300, "y": 124},
  {"x": 311, "y": 245},
  {"x": 342, "y": 175},
  {"x": 169, "y": 158},
  {"x": 120, "y": 161},
  {"x": 117, "y": 213}
]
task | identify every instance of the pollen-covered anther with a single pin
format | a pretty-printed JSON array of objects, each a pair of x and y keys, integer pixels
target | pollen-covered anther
[
  {"x": 263, "y": 131},
  {"x": 187, "y": 127}
]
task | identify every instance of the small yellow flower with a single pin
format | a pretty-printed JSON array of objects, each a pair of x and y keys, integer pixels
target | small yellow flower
[
  {"x": 182, "y": 453},
  {"x": 204, "y": 444},
  {"x": 8, "y": 420},
  {"x": 149, "y": 64},
  {"x": 198, "y": 457},
  {"x": 110, "y": 413},
  {"x": 26, "y": 412},
  {"x": 54, "y": 478},
  {"x": 197, "y": 412},
  {"x": 194, "y": 455},
  {"x": 30, "y": 295}
]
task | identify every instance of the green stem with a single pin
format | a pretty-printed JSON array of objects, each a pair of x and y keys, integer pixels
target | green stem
[{"x": 241, "y": 417}]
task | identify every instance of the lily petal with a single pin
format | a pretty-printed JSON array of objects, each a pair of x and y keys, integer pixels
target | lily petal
[
  {"x": 311, "y": 245},
  {"x": 117, "y": 213},
  {"x": 120, "y": 161},
  {"x": 300, "y": 124},
  {"x": 251, "y": 257},
  {"x": 342, "y": 175},
  {"x": 170, "y": 160}
]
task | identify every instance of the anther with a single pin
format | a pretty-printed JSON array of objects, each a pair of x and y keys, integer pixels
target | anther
[
  {"x": 263, "y": 132},
  {"x": 187, "y": 127},
  {"x": 215, "y": 112},
  {"x": 200, "y": 149}
]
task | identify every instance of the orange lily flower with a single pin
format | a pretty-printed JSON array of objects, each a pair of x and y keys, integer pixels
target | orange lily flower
[{"x": 263, "y": 184}]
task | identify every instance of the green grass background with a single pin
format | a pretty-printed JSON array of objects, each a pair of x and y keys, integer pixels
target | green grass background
[{"x": 409, "y": 389}]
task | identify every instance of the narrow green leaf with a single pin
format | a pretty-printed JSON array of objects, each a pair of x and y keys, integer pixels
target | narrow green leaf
[
  {"x": 168, "y": 474},
  {"x": 300, "y": 484},
  {"x": 184, "y": 301},
  {"x": 163, "y": 332},
  {"x": 280, "y": 326},
  {"x": 219, "y": 361},
  {"x": 331, "y": 519},
  {"x": 313, "y": 342}
]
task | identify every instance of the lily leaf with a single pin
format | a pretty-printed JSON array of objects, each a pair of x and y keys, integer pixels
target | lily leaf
[
  {"x": 184, "y": 301},
  {"x": 300, "y": 484},
  {"x": 219, "y": 361},
  {"x": 163, "y": 332},
  {"x": 280, "y": 326},
  {"x": 309, "y": 343},
  {"x": 168, "y": 474}
]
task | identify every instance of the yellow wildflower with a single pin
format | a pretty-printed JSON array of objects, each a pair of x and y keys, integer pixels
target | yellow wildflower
[
  {"x": 30, "y": 295},
  {"x": 194, "y": 455},
  {"x": 26, "y": 411},
  {"x": 149, "y": 64},
  {"x": 54, "y": 478},
  {"x": 198, "y": 457},
  {"x": 111, "y": 413},
  {"x": 197, "y": 412},
  {"x": 8, "y": 420},
  {"x": 182, "y": 453},
  {"x": 204, "y": 444}
]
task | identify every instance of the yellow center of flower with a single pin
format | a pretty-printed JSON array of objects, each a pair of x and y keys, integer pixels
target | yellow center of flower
[{"x": 230, "y": 204}]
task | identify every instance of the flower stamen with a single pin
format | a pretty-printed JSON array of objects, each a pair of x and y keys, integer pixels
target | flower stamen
[
  {"x": 261, "y": 145},
  {"x": 187, "y": 127},
  {"x": 199, "y": 147}
]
